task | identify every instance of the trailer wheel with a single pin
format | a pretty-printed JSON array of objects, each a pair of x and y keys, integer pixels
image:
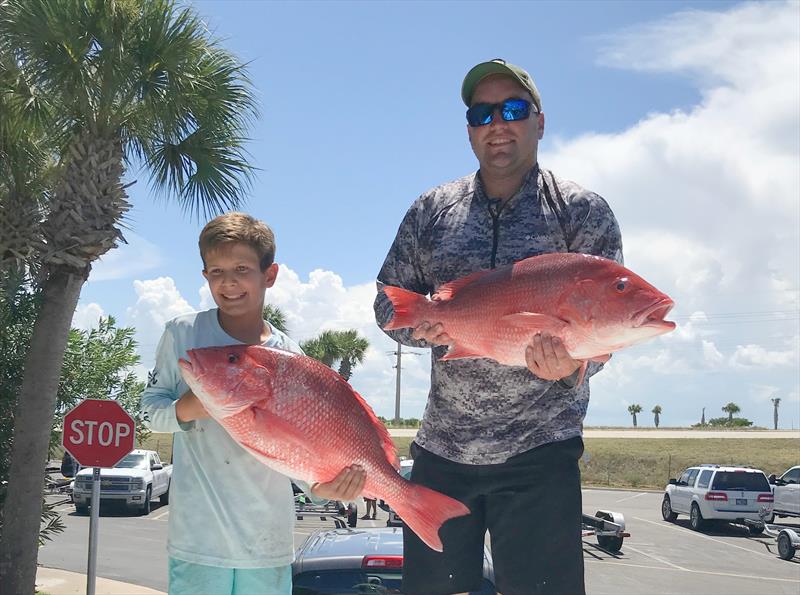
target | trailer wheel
[
  {"x": 785, "y": 548},
  {"x": 610, "y": 543}
]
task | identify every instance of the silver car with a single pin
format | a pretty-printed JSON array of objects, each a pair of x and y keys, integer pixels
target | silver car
[{"x": 345, "y": 561}]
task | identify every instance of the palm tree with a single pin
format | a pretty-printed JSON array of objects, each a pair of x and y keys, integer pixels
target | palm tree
[
  {"x": 656, "y": 412},
  {"x": 275, "y": 317},
  {"x": 345, "y": 347},
  {"x": 113, "y": 83},
  {"x": 633, "y": 410},
  {"x": 353, "y": 349},
  {"x": 775, "y": 402},
  {"x": 730, "y": 409},
  {"x": 324, "y": 348}
]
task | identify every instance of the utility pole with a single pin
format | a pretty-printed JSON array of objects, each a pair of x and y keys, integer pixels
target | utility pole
[
  {"x": 399, "y": 353},
  {"x": 398, "y": 366}
]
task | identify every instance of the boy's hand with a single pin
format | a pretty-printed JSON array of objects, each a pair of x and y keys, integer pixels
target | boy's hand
[
  {"x": 189, "y": 408},
  {"x": 348, "y": 485}
]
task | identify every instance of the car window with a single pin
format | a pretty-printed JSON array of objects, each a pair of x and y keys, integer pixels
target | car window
[
  {"x": 792, "y": 476},
  {"x": 692, "y": 476},
  {"x": 684, "y": 478},
  {"x": 740, "y": 480},
  {"x": 705, "y": 478}
]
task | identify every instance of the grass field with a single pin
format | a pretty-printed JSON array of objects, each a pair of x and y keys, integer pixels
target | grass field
[{"x": 641, "y": 462}]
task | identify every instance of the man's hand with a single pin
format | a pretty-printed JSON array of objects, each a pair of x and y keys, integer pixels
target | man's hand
[
  {"x": 434, "y": 335},
  {"x": 547, "y": 357},
  {"x": 189, "y": 408},
  {"x": 348, "y": 485}
]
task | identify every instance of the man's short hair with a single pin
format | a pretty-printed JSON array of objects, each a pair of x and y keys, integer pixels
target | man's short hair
[{"x": 241, "y": 228}]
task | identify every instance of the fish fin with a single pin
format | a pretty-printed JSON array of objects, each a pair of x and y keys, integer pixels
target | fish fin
[
  {"x": 387, "y": 444},
  {"x": 534, "y": 322},
  {"x": 449, "y": 290},
  {"x": 425, "y": 510},
  {"x": 601, "y": 359},
  {"x": 408, "y": 307},
  {"x": 460, "y": 352}
]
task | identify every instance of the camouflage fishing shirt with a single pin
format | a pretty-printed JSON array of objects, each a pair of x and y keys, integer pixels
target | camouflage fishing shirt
[{"x": 478, "y": 411}]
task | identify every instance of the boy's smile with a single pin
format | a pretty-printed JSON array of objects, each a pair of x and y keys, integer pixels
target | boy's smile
[{"x": 236, "y": 280}]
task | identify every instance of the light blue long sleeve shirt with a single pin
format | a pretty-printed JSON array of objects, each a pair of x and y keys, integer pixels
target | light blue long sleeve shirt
[{"x": 227, "y": 508}]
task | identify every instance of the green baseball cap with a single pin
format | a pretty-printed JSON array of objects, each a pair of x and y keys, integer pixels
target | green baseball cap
[{"x": 498, "y": 66}]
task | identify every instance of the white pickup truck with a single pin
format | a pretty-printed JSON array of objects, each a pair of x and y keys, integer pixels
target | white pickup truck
[{"x": 135, "y": 481}]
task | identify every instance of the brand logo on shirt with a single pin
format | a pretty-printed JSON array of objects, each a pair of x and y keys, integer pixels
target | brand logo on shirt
[{"x": 152, "y": 379}]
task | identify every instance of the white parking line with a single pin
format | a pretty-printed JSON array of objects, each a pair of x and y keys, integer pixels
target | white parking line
[
  {"x": 727, "y": 574},
  {"x": 696, "y": 534},
  {"x": 632, "y": 497},
  {"x": 159, "y": 517},
  {"x": 656, "y": 558}
]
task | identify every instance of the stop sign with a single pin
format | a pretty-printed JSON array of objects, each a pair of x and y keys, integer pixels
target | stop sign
[{"x": 98, "y": 433}]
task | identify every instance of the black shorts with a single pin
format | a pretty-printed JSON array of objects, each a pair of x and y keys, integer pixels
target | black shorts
[{"x": 531, "y": 506}]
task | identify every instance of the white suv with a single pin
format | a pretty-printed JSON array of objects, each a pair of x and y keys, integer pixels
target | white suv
[
  {"x": 787, "y": 493},
  {"x": 712, "y": 492}
]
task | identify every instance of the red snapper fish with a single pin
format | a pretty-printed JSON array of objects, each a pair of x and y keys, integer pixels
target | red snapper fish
[
  {"x": 594, "y": 305},
  {"x": 299, "y": 417}
]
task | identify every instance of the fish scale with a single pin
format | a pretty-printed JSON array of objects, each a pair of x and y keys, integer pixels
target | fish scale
[
  {"x": 594, "y": 305},
  {"x": 304, "y": 420}
]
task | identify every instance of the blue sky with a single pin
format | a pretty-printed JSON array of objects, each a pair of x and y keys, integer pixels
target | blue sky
[{"x": 685, "y": 116}]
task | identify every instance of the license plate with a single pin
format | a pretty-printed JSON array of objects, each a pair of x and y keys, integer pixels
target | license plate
[{"x": 741, "y": 501}]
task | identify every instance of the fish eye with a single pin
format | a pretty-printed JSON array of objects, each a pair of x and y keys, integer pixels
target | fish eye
[
  {"x": 621, "y": 285},
  {"x": 232, "y": 358}
]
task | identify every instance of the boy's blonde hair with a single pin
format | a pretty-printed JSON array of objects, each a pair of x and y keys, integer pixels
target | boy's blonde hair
[{"x": 239, "y": 228}]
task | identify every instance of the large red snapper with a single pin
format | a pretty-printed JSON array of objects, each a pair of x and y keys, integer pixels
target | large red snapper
[
  {"x": 302, "y": 419},
  {"x": 594, "y": 305}
]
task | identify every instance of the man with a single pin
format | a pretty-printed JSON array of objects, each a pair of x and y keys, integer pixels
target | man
[{"x": 503, "y": 440}]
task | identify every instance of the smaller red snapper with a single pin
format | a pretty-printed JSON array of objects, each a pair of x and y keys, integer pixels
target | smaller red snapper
[
  {"x": 594, "y": 305},
  {"x": 302, "y": 419}
]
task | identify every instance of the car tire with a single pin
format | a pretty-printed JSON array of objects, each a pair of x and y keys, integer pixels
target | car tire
[
  {"x": 785, "y": 548},
  {"x": 145, "y": 510},
  {"x": 696, "y": 521},
  {"x": 164, "y": 498},
  {"x": 352, "y": 518},
  {"x": 610, "y": 543},
  {"x": 666, "y": 510},
  {"x": 82, "y": 509}
]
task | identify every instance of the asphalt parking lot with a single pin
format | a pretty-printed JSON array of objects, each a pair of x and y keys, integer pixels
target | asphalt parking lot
[{"x": 659, "y": 557}]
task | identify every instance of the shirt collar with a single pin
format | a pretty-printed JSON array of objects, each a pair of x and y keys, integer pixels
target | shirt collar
[{"x": 530, "y": 185}]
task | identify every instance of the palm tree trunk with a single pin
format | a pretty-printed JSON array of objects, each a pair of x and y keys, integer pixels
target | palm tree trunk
[{"x": 22, "y": 510}]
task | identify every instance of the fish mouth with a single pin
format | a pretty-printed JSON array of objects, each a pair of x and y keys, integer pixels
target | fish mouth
[{"x": 653, "y": 315}]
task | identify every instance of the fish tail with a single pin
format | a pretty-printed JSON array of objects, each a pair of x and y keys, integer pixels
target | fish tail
[
  {"x": 409, "y": 307},
  {"x": 426, "y": 510}
]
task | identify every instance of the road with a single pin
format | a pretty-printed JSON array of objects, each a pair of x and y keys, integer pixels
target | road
[
  {"x": 653, "y": 433},
  {"x": 659, "y": 557}
]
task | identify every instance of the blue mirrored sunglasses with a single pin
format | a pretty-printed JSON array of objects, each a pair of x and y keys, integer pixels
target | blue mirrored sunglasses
[{"x": 511, "y": 110}]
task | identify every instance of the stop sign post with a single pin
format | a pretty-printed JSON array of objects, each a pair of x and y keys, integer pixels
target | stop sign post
[{"x": 97, "y": 433}]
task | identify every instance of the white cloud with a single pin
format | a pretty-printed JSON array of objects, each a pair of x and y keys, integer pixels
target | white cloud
[
  {"x": 707, "y": 197},
  {"x": 158, "y": 300},
  {"x": 87, "y": 316},
  {"x": 756, "y": 356},
  {"x": 129, "y": 260}
]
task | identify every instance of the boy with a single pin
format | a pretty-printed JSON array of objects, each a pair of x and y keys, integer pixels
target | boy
[{"x": 231, "y": 517}]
